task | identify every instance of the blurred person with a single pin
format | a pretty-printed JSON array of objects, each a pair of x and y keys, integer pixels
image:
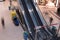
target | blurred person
[
  {"x": 2, "y": 21},
  {"x": 54, "y": 30},
  {"x": 17, "y": 11},
  {"x": 51, "y": 19},
  {"x": 10, "y": 4},
  {"x": 25, "y": 35},
  {"x": 13, "y": 13},
  {"x": 46, "y": 13},
  {"x": 19, "y": 14},
  {"x": 3, "y": 0},
  {"x": 58, "y": 9}
]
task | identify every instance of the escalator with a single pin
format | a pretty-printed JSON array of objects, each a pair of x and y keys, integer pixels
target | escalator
[
  {"x": 32, "y": 19},
  {"x": 35, "y": 14},
  {"x": 29, "y": 22}
]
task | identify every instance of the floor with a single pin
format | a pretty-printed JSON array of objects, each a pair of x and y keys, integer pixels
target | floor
[{"x": 11, "y": 32}]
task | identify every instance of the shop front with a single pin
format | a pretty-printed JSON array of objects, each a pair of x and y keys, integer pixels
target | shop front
[{"x": 44, "y": 2}]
